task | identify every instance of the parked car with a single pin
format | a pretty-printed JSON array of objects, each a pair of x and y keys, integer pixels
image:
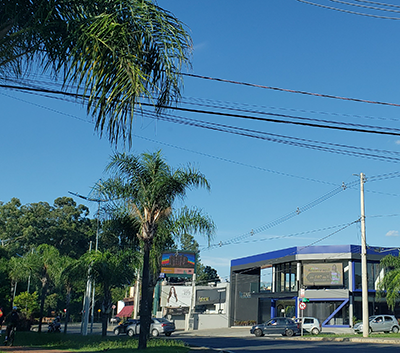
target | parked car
[
  {"x": 277, "y": 325},
  {"x": 310, "y": 324},
  {"x": 115, "y": 320},
  {"x": 379, "y": 323},
  {"x": 123, "y": 326},
  {"x": 158, "y": 326}
]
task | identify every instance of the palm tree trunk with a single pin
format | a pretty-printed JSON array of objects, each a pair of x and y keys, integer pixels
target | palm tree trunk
[
  {"x": 145, "y": 303},
  {"x": 43, "y": 296},
  {"x": 67, "y": 302}
]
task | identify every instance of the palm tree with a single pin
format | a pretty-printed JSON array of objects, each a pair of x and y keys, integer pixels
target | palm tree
[
  {"x": 110, "y": 270},
  {"x": 46, "y": 265},
  {"x": 149, "y": 187},
  {"x": 390, "y": 283},
  {"x": 115, "y": 54}
]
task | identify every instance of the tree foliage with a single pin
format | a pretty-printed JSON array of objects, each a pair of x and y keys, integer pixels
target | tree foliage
[
  {"x": 390, "y": 283},
  {"x": 64, "y": 225},
  {"x": 113, "y": 52}
]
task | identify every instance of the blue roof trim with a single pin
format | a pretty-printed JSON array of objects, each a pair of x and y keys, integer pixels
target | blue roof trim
[{"x": 323, "y": 249}]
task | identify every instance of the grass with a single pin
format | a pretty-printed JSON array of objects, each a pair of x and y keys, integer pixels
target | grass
[{"x": 78, "y": 343}]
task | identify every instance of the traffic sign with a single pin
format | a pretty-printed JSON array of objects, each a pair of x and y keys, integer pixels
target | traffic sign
[{"x": 302, "y": 305}]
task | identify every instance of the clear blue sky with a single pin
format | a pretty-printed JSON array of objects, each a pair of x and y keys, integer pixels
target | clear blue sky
[{"x": 49, "y": 147}]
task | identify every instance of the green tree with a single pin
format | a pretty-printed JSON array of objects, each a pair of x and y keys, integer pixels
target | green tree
[
  {"x": 45, "y": 264},
  {"x": 110, "y": 270},
  {"x": 114, "y": 51},
  {"x": 149, "y": 188},
  {"x": 64, "y": 225},
  {"x": 28, "y": 304},
  {"x": 390, "y": 283}
]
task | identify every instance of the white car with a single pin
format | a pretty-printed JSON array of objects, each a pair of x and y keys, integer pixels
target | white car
[{"x": 310, "y": 324}]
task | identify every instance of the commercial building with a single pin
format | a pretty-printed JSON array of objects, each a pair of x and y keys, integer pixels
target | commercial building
[{"x": 328, "y": 277}]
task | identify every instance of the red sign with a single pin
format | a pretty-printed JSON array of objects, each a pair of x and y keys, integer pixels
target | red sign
[{"x": 302, "y": 305}]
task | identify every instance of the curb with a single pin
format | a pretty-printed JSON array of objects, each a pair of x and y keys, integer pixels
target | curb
[{"x": 346, "y": 339}]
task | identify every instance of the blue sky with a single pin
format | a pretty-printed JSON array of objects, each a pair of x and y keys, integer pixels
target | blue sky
[{"x": 49, "y": 147}]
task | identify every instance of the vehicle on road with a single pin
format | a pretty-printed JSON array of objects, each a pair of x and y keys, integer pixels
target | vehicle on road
[
  {"x": 277, "y": 325},
  {"x": 158, "y": 326},
  {"x": 123, "y": 326},
  {"x": 310, "y": 324},
  {"x": 379, "y": 323},
  {"x": 115, "y": 320}
]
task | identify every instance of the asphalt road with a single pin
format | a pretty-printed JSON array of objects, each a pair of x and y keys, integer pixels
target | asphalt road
[{"x": 253, "y": 345}]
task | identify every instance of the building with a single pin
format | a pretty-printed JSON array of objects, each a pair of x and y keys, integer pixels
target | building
[{"x": 328, "y": 276}]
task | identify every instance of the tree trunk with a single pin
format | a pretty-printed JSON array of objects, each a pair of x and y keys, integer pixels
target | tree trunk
[
  {"x": 67, "y": 302},
  {"x": 42, "y": 298},
  {"x": 145, "y": 303},
  {"x": 106, "y": 309}
]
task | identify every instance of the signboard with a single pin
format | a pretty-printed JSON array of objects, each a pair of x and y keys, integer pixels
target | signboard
[
  {"x": 176, "y": 296},
  {"x": 302, "y": 305},
  {"x": 323, "y": 274},
  {"x": 178, "y": 263},
  {"x": 210, "y": 296}
]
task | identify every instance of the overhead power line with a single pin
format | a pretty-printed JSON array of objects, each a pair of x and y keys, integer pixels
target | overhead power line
[
  {"x": 349, "y": 11},
  {"x": 390, "y": 131},
  {"x": 291, "y": 90}
]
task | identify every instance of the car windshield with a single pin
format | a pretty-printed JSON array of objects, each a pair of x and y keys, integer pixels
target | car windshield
[{"x": 372, "y": 318}]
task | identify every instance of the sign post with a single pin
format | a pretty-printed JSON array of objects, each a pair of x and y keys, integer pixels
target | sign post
[{"x": 302, "y": 306}]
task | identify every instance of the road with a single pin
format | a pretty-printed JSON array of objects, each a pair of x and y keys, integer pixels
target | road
[{"x": 262, "y": 344}]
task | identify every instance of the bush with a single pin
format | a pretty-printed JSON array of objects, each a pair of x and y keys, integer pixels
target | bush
[{"x": 245, "y": 323}]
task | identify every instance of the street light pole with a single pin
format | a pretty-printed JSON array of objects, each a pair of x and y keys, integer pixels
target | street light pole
[{"x": 364, "y": 277}]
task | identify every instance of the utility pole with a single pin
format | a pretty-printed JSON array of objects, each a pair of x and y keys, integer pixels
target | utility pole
[{"x": 364, "y": 277}]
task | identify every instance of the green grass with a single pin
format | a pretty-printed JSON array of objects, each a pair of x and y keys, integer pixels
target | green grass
[{"x": 79, "y": 343}]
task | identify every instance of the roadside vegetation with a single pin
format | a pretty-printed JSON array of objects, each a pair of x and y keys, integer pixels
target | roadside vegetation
[{"x": 78, "y": 343}]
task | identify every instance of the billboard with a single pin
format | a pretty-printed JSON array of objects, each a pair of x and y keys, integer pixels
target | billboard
[
  {"x": 210, "y": 296},
  {"x": 182, "y": 263},
  {"x": 323, "y": 274},
  {"x": 176, "y": 296}
]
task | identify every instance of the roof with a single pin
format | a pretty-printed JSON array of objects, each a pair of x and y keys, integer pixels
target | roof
[
  {"x": 310, "y": 250},
  {"x": 126, "y": 311}
]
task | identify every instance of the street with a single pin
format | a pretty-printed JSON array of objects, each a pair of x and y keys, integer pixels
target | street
[{"x": 262, "y": 344}]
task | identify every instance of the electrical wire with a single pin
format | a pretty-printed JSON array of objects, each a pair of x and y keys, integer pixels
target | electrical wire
[{"x": 348, "y": 11}]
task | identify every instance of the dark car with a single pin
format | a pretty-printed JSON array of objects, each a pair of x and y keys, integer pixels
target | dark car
[
  {"x": 123, "y": 327},
  {"x": 158, "y": 326},
  {"x": 277, "y": 325}
]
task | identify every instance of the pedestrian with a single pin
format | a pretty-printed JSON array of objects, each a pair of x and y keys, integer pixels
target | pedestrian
[{"x": 12, "y": 321}]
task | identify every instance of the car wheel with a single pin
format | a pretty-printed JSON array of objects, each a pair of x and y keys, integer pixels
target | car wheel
[
  {"x": 289, "y": 332},
  {"x": 395, "y": 329},
  {"x": 315, "y": 331},
  {"x": 131, "y": 333},
  {"x": 370, "y": 330},
  {"x": 116, "y": 331},
  {"x": 258, "y": 333},
  {"x": 168, "y": 334},
  {"x": 155, "y": 333}
]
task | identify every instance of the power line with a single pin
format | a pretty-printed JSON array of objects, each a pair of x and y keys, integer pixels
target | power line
[
  {"x": 290, "y": 90},
  {"x": 348, "y": 11}
]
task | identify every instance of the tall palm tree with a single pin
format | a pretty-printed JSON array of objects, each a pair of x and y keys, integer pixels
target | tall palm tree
[
  {"x": 149, "y": 187},
  {"x": 115, "y": 54}
]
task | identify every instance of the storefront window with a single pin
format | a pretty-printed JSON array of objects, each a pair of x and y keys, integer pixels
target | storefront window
[
  {"x": 374, "y": 274},
  {"x": 285, "y": 277}
]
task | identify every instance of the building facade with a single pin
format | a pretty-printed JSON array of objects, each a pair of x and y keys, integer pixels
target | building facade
[{"x": 327, "y": 278}]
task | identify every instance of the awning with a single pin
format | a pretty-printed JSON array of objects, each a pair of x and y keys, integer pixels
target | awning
[{"x": 126, "y": 311}]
